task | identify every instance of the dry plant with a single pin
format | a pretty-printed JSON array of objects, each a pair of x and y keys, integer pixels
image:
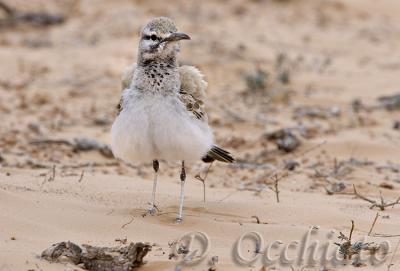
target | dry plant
[
  {"x": 52, "y": 176},
  {"x": 203, "y": 180},
  {"x": 347, "y": 248},
  {"x": 276, "y": 180},
  {"x": 381, "y": 205}
]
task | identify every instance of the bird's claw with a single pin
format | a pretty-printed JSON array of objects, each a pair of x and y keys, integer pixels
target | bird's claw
[{"x": 152, "y": 210}]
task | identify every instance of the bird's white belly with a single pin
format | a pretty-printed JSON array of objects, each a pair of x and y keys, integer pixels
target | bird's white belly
[{"x": 158, "y": 127}]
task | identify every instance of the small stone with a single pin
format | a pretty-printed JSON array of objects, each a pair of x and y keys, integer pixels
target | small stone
[
  {"x": 288, "y": 143},
  {"x": 386, "y": 185},
  {"x": 291, "y": 165},
  {"x": 335, "y": 111},
  {"x": 396, "y": 125}
]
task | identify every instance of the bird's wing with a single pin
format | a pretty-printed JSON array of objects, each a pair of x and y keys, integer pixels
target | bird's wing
[
  {"x": 127, "y": 76},
  {"x": 126, "y": 80},
  {"x": 192, "y": 92}
]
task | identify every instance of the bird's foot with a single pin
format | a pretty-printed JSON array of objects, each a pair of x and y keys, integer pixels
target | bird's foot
[
  {"x": 179, "y": 220},
  {"x": 152, "y": 210}
]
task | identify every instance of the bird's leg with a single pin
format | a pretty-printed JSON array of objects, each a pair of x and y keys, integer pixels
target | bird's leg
[
  {"x": 182, "y": 196},
  {"x": 153, "y": 208}
]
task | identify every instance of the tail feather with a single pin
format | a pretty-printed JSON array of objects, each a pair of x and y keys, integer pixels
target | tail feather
[{"x": 216, "y": 153}]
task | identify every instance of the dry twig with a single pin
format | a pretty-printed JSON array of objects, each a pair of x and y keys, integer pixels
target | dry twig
[
  {"x": 276, "y": 180},
  {"x": 81, "y": 177},
  {"x": 256, "y": 218},
  {"x": 385, "y": 235},
  {"x": 373, "y": 224},
  {"x": 127, "y": 223},
  {"x": 203, "y": 180},
  {"x": 348, "y": 249},
  {"x": 381, "y": 205},
  {"x": 394, "y": 253}
]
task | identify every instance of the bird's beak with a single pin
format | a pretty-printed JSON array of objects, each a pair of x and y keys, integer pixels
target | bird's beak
[{"x": 176, "y": 36}]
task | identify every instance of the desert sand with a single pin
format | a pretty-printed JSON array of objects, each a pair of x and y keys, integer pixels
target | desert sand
[{"x": 316, "y": 68}]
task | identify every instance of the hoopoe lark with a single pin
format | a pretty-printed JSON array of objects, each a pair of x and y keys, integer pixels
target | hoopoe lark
[{"x": 161, "y": 112}]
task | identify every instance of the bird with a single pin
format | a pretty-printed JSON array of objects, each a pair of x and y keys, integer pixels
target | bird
[{"x": 161, "y": 114}]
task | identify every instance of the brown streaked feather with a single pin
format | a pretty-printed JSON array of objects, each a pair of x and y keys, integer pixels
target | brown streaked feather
[
  {"x": 193, "y": 105},
  {"x": 192, "y": 82},
  {"x": 192, "y": 91}
]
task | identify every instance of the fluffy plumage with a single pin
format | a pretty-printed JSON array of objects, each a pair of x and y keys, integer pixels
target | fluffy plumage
[
  {"x": 161, "y": 112},
  {"x": 192, "y": 93}
]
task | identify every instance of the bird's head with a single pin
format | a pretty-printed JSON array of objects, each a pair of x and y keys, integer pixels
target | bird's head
[{"x": 159, "y": 39}]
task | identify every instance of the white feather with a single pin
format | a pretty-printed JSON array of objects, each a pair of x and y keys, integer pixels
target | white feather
[{"x": 158, "y": 127}]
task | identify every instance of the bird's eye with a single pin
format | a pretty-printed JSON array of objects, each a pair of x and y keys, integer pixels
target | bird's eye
[
  {"x": 153, "y": 37},
  {"x": 146, "y": 37}
]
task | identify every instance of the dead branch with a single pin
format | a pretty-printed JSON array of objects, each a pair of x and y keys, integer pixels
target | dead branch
[
  {"x": 81, "y": 177},
  {"x": 381, "y": 205},
  {"x": 127, "y": 223},
  {"x": 120, "y": 258},
  {"x": 8, "y": 10},
  {"x": 394, "y": 253},
  {"x": 51, "y": 141},
  {"x": 373, "y": 224},
  {"x": 385, "y": 235},
  {"x": 256, "y": 218}
]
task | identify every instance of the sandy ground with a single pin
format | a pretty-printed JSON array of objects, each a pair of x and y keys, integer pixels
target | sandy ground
[{"x": 63, "y": 82}]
